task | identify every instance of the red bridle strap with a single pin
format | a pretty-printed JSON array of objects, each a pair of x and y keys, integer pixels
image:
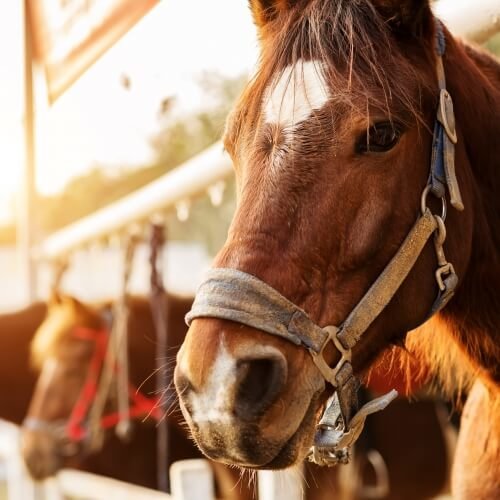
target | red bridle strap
[{"x": 141, "y": 405}]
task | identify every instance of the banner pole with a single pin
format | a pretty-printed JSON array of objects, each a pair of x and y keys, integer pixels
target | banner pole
[{"x": 26, "y": 205}]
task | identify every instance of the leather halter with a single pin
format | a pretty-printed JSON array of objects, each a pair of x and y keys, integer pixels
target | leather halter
[{"x": 237, "y": 296}]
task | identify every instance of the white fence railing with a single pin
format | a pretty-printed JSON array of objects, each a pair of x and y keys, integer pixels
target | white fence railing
[
  {"x": 190, "y": 480},
  {"x": 196, "y": 176}
]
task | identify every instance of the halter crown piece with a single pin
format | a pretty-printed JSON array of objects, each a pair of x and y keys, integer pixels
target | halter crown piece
[{"x": 237, "y": 296}]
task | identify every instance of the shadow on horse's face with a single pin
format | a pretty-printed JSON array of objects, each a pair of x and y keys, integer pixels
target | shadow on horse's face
[
  {"x": 63, "y": 360},
  {"x": 331, "y": 145}
]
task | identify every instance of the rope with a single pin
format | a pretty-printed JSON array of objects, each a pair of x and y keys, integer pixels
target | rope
[
  {"x": 159, "y": 310},
  {"x": 118, "y": 349}
]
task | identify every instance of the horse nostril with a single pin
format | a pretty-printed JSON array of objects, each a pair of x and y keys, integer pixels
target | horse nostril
[{"x": 260, "y": 382}]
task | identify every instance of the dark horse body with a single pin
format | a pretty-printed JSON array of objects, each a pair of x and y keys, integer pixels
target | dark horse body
[{"x": 333, "y": 146}]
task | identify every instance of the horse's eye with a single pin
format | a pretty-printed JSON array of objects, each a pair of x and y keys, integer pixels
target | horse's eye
[{"x": 379, "y": 138}]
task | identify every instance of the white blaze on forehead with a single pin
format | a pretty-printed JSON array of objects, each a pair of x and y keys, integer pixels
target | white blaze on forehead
[
  {"x": 213, "y": 401},
  {"x": 297, "y": 92}
]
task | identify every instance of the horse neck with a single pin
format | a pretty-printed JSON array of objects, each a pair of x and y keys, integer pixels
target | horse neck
[
  {"x": 16, "y": 333},
  {"x": 474, "y": 314}
]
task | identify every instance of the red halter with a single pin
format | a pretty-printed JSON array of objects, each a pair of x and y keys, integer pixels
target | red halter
[{"x": 141, "y": 405}]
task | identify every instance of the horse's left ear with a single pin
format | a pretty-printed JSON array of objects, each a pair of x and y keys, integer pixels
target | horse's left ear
[{"x": 406, "y": 17}]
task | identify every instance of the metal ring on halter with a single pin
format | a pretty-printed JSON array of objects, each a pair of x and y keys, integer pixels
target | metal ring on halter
[{"x": 423, "y": 202}]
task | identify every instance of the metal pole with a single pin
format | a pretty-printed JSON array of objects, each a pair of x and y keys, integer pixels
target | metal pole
[
  {"x": 25, "y": 223},
  {"x": 159, "y": 310}
]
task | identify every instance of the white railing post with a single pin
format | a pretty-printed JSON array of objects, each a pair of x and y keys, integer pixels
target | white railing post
[
  {"x": 281, "y": 485},
  {"x": 19, "y": 484},
  {"x": 192, "y": 480}
]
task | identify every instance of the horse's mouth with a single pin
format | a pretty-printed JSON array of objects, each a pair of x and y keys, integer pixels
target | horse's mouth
[{"x": 295, "y": 450}]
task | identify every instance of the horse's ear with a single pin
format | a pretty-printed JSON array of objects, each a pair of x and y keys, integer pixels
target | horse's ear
[
  {"x": 55, "y": 298},
  {"x": 73, "y": 302},
  {"x": 406, "y": 17},
  {"x": 265, "y": 11}
]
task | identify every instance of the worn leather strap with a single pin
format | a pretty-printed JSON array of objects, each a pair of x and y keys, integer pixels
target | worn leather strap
[
  {"x": 237, "y": 296},
  {"x": 387, "y": 284}
]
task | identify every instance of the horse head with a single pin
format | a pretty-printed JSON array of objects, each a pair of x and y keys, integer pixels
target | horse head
[
  {"x": 334, "y": 144},
  {"x": 75, "y": 400},
  {"x": 62, "y": 359}
]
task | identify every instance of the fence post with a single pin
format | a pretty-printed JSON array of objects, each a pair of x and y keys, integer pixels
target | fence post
[
  {"x": 192, "y": 480},
  {"x": 281, "y": 485},
  {"x": 19, "y": 484}
]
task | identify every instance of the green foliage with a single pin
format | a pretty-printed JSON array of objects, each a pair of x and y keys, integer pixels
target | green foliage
[{"x": 493, "y": 44}]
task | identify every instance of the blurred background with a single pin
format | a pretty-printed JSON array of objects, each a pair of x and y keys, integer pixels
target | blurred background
[{"x": 158, "y": 96}]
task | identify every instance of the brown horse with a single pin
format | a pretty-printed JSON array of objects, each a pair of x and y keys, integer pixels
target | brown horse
[{"x": 346, "y": 152}]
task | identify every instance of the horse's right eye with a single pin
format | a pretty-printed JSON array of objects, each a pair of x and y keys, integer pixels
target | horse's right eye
[{"x": 379, "y": 138}]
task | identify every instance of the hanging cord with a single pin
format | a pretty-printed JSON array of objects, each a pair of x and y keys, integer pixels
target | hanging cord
[
  {"x": 117, "y": 355},
  {"x": 159, "y": 310}
]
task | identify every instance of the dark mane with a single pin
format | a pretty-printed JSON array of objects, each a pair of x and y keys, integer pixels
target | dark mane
[{"x": 350, "y": 39}]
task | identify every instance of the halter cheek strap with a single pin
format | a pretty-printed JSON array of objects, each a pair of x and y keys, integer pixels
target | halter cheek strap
[{"x": 237, "y": 296}]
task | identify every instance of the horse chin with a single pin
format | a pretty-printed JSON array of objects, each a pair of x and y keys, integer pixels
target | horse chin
[
  {"x": 40, "y": 455},
  {"x": 247, "y": 453}
]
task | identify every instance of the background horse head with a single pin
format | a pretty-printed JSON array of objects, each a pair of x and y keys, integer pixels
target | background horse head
[
  {"x": 64, "y": 348},
  {"x": 332, "y": 145}
]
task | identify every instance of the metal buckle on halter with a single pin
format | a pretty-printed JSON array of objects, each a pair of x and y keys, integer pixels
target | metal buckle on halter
[
  {"x": 329, "y": 373},
  {"x": 445, "y": 268},
  {"x": 334, "y": 439}
]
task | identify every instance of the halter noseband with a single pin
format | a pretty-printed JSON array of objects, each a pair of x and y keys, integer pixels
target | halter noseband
[{"x": 237, "y": 296}]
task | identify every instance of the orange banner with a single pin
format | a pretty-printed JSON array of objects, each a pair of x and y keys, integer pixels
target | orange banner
[{"x": 70, "y": 35}]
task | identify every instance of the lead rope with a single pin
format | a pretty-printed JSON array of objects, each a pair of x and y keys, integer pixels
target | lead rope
[
  {"x": 159, "y": 310},
  {"x": 117, "y": 351}
]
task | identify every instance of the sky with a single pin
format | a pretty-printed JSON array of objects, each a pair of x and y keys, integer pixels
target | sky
[{"x": 98, "y": 120}]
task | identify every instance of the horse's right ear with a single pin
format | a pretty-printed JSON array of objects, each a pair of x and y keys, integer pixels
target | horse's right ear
[{"x": 265, "y": 11}]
